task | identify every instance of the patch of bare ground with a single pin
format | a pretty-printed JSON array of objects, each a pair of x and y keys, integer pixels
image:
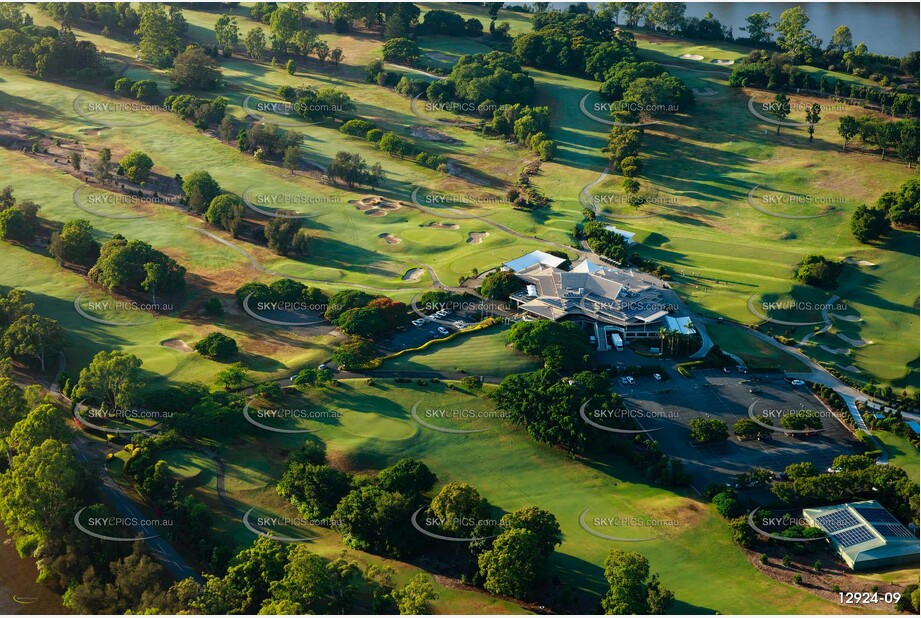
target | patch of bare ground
[
  {"x": 430, "y": 134},
  {"x": 177, "y": 344},
  {"x": 475, "y": 238},
  {"x": 833, "y": 572},
  {"x": 443, "y": 226}
]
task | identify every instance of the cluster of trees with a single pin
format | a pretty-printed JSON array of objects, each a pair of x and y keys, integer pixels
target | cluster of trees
[
  {"x": 525, "y": 124},
  {"x": 524, "y": 195},
  {"x": 75, "y": 244},
  {"x": 604, "y": 242},
  {"x": 818, "y": 271},
  {"x": 902, "y": 205},
  {"x": 801, "y": 420},
  {"x": 494, "y": 78},
  {"x": 392, "y": 144},
  {"x": 135, "y": 166},
  {"x": 547, "y": 405},
  {"x": 195, "y": 69},
  {"x": 747, "y": 429},
  {"x": 135, "y": 266},
  {"x": 25, "y": 335},
  {"x": 316, "y": 104},
  {"x": 203, "y": 195},
  {"x": 883, "y": 135},
  {"x": 110, "y": 17},
  {"x": 563, "y": 346},
  {"x": 499, "y": 285},
  {"x": 282, "y": 290},
  {"x": 203, "y": 112},
  {"x": 633, "y": 589},
  {"x": 364, "y": 315},
  {"x": 197, "y": 412},
  {"x": 708, "y": 430},
  {"x": 268, "y": 140},
  {"x": 217, "y": 346},
  {"x": 18, "y": 219},
  {"x": 143, "y": 90},
  {"x": 448, "y": 23},
  {"x": 352, "y": 169},
  {"x": 47, "y": 52}
]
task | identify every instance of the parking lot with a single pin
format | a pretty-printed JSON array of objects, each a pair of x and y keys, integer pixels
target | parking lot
[
  {"x": 415, "y": 334},
  {"x": 669, "y": 407}
]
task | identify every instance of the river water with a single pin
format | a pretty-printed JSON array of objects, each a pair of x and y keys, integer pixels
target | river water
[
  {"x": 889, "y": 28},
  {"x": 19, "y": 594}
]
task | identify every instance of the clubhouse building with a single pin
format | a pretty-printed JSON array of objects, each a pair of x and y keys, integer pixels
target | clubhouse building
[{"x": 608, "y": 300}]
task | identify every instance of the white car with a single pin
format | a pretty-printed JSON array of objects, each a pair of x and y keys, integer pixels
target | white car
[
  {"x": 459, "y": 324},
  {"x": 630, "y": 380},
  {"x": 419, "y": 322},
  {"x": 441, "y": 314},
  {"x": 623, "y": 380},
  {"x": 430, "y": 318},
  {"x": 657, "y": 377},
  {"x": 443, "y": 330},
  {"x": 797, "y": 382}
]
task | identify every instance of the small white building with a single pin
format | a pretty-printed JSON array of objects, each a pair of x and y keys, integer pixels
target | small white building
[
  {"x": 535, "y": 258},
  {"x": 628, "y": 236}
]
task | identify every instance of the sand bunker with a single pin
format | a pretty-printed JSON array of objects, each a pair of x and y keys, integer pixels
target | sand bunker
[
  {"x": 430, "y": 134},
  {"x": 691, "y": 57},
  {"x": 858, "y": 343},
  {"x": 413, "y": 274},
  {"x": 846, "y": 318},
  {"x": 373, "y": 205},
  {"x": 176, "y": 344},
  {"x": 724, "y": 63},
  {"x": 95, "y": 131},
  {"x": 390, "y": 238},
  {"x": 376, "y": 212},
  {"x": 851, "y": 368},
  {"x": 853, "y": 262},
  {"x": 704, "y": 92},
  {"x": 833, "y": 350},
  {"x": 443, "y": 226},
  {"x": 475, "y": 238}
]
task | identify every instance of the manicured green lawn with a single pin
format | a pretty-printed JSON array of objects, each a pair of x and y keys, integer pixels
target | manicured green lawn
[
  {"x": 512, "y": 471},
  {"x": 902, "y": 453},
  {"x": 483, "y": 353},
  {"x": 756, "y": 353}
]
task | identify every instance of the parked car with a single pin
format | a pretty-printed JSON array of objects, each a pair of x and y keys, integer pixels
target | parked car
[
  {"x": 443, "y": 330},
  {"x": 419, "y": 322},
  {"x": 459, "y": 324},
  {"x": 630, "y": 380},
  {"x": 657, "y": 377},
  {"x": 623, "y": 380},
  {"x": 797, "y": 382}
]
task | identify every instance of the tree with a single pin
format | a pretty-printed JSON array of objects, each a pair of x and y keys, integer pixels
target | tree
[
  {"x": 841, "y": 40},
  {"x": 413, "y": 598},
  {"x": 321, "y": 49},
  {"x": 747, "y": 429},
  {"x": 813, "y": 115},
  {"x": 868, "y": 224},
  {"x": 44, "y": 422},
  {"x": 227, "y": 33},
  {"x": 19, "y": 223},
  {"x": 200, "y": 190},
  {"x": 158, "y": 41},
  {"x": 290, "y": 67},
  {"x": 193, "y": 69},
  {"x": 285, "y": 22},
  {"x": 101, "y": 166},
  {"x": 499, "y": 285},
  {"x": 232, "y": 376},
  {"x": 75, "y": 160},
  {"x": 457, "y": 508},
  {"x": 41, "y": 491},
  {"x": 817, "y": 271},
  {"x": 35, "y": 337},
  {"x": 793, "y": 37},
  {"x": 136, "y": 166},
  {"x": 371, "y": 519},
  {"x": 112, "y": 379},
  {"x": 226, "y": 129},
  {"x": 349, "y": 167},
  {"x": 356, "y": 353},
  {"x": 217, "y": 346},
  {"x": 759, "y": 28},
  {"x": 401, "y": 51},
  {"x": 336, "y": 55},
  {"x": 848, "y": 127},
  {"x": 408, "y": 476},
  {"x": 666, "y": 15},
  {"x": 801, "y": 470},
  {"x": 542, "y": 523},
  {"x": 291, "y": 158},
  {"x": 255, "y": 43},
  {"x": 514, "y": 564},
  {"x": 281, "y": 234},
  {"x": 632, "y": 590},
  {"x": 75, "y": 244},
  {"x": 780, "y": 108},
  {"x": 226, "y": 211},
  {"x": 315, "y": 489},
  {"x": 708, "y": 430}
]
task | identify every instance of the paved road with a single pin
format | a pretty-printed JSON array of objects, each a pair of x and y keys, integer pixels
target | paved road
[{"x": 91, "y": 453}]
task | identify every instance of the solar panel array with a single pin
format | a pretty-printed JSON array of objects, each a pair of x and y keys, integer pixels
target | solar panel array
[
  {"x": 893, "y": 530},
  {"x": 874, "y": 514},
  {"x": 854, "y": 536},
  {"x": 838, "y": 520}
]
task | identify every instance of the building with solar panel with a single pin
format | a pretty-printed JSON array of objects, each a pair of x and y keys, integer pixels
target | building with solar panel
[{"x": 865, "y": 534}]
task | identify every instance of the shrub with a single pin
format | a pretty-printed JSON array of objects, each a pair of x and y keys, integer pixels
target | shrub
[{"x": 217, "y": 346}]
